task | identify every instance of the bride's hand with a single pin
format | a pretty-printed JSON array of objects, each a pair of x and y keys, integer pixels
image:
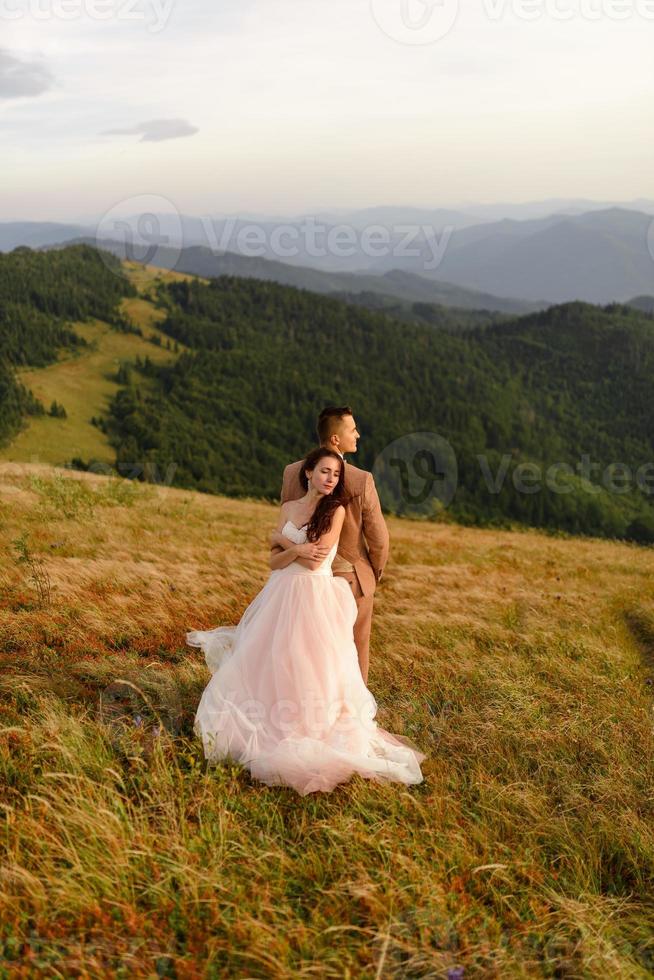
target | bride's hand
[{"x": 312, "y": 550}]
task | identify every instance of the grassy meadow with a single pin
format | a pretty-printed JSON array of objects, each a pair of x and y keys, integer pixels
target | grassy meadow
[
  {"x": 521, "y": 663},
  {"x": 85, "y": 381}
]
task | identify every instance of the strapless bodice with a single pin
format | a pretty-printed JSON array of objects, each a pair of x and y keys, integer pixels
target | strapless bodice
[{"x": 299, "y": 536}]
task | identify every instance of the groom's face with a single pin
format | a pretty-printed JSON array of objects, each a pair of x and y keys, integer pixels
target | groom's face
[{"x": 348, "y": 435}]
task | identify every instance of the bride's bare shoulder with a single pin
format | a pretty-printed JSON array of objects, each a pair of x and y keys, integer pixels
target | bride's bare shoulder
[
  {"x": 284, "y": 513},
  {"x": 288, "y": 509}
]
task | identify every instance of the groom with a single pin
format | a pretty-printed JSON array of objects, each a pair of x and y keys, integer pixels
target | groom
[{"x": 361, "y": 562}]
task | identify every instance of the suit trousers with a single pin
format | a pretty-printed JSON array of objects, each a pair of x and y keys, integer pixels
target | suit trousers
[{"x": 363, "y": 621}]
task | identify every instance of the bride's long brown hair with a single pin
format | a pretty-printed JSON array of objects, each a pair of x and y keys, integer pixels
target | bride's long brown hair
[{"x": 321, "y": 519}]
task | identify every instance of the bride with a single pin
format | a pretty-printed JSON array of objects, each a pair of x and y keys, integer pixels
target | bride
[{"x": 286, "y": 697}]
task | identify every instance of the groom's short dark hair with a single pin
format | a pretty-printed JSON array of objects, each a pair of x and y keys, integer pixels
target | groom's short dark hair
[{"x": 328, "y": 419}]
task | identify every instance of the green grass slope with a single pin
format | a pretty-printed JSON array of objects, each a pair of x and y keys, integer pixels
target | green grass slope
[{"x": 83, "y": 377}]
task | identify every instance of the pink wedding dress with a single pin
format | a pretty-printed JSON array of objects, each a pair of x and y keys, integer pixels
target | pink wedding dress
[{"x": 287, "y": 698}]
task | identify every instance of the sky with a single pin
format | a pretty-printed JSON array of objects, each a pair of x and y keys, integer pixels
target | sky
[{"x": 288, "y": 106}]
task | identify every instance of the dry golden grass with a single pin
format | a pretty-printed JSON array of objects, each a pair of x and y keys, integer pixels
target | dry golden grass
[
  {"x": 143, "y": 276},
  {"x": 521, "y": 663}
]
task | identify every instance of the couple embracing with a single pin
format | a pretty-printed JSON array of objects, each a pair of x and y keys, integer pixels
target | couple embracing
[{"x": 288, "y": 697}]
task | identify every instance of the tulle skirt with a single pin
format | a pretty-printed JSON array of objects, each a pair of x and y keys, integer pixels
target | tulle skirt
[{"x": 286, "y": 697}]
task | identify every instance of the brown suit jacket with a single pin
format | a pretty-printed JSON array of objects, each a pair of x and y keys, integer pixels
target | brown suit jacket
[{"x": 364, "y": 540}]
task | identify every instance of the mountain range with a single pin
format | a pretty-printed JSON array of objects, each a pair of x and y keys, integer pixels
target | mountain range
[
  {"x": 534, "y": 255},
  {"x": 600, "y": 257},
  {"x": 376, "y": 291}
]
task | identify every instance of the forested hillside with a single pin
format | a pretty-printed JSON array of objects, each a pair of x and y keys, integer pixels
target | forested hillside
[
  {"x": 549, "y": 388},
  {"x": 40, "y": 294},
  {"x": 569, "y": 387}
]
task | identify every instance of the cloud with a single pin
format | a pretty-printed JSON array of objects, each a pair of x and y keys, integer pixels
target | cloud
[
  {"x": 22, "y": 78},
  {"x": 155, "y": 130}
]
